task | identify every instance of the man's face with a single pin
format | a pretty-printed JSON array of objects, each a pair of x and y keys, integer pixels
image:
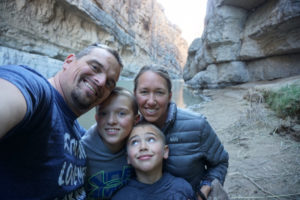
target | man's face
[{"x": 89, "y": 80}]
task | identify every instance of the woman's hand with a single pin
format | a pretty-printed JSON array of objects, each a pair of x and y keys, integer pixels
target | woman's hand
[{"x": 205, "y": 190}]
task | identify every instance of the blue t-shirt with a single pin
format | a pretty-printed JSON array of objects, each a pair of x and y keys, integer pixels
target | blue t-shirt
[
  {"x": 168, "y": 187},
  {"x": 42, "y": 157}
]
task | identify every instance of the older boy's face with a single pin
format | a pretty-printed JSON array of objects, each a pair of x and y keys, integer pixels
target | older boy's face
[
  {"x": 146, "y": 150},
  {"x": 115, "y": 119}
]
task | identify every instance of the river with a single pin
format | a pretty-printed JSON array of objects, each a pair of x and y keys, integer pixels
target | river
[{"x": 183, "y": 97}]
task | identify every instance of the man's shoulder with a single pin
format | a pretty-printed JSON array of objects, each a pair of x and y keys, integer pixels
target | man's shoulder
[
  {"x": 19, "y": 69},
  {"x": 23, "y": 76}
]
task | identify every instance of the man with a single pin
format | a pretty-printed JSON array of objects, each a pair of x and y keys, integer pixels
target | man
[{"x": 41, "y": 156}]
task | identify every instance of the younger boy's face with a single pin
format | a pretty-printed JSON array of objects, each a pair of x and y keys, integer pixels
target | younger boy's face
[
  {"x": 146, "y": 150},
  {"x": 115, "y": 119}
]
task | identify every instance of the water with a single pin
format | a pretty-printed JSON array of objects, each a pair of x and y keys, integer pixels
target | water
[{"x": 183, "y": 97}]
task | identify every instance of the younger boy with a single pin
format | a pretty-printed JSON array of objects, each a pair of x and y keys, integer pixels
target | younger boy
[
  {"x": 104, "y": 143},
  {"x": 146, "y": 150}
]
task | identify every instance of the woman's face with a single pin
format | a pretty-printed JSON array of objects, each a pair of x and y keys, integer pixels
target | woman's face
[{"x": 153, "y": 97}]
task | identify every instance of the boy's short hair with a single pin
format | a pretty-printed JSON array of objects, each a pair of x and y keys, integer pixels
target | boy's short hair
[
  {"x": 143, "y": 124},
  {"x": 119, "y": 91}
]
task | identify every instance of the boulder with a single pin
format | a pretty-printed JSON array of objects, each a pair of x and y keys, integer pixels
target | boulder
[{"x": 262, "y": 36}]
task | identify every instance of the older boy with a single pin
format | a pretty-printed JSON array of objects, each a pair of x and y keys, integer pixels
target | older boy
[{"x": 105, "y": 144}]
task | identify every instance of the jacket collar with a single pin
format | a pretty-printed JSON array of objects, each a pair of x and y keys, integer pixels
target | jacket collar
[{"x": 172, "y": 110}]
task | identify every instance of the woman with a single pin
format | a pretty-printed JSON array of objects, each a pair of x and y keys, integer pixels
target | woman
[{"x": 196, "y": 153}]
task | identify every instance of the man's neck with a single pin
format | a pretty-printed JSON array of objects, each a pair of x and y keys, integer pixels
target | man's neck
[{"x": 55, "y": 83}]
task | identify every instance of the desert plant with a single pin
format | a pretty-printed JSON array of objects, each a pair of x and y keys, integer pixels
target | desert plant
[{"x": 285, "y": 101}]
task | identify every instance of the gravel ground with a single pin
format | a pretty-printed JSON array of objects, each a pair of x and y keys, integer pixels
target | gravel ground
[{"x": 264, "y": 161}]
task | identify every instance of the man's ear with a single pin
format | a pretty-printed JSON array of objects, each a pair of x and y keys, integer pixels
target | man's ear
[
  {"x": 166, "y": 151},
  {"x": 68, "y": 60}
]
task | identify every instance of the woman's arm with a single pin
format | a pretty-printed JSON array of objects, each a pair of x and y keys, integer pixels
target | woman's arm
[{"x": 216, "y": 156}]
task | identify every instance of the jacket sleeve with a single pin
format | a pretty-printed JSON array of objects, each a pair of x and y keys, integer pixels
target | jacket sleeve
[{"x": 216, "y": 156}]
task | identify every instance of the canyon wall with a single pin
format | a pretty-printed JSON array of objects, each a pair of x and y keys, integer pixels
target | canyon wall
[
  {"x": 42, "y": 34},
  {"x": 245, "y": 41}
]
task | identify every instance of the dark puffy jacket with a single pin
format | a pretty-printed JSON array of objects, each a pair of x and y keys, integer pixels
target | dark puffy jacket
[{"x": 196, "y": 152}]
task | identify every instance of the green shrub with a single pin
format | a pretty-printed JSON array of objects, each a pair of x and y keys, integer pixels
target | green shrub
[{"x": 285, "y": 102}]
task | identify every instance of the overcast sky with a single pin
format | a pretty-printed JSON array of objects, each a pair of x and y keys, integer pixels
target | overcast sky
[{"x": 187, "y": 14}]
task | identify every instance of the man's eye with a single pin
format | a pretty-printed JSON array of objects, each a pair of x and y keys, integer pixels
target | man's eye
[{"x": 94, "y": 67}]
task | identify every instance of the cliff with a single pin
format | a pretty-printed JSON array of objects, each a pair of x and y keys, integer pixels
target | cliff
[
  {"x": 245, "y": 41},
  {"x": 42, "y": 33}
]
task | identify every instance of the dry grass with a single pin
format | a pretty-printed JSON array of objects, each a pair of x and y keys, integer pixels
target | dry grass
[
  {"x": 259, "y": 114},
  {"x": 256, "y": 113}
]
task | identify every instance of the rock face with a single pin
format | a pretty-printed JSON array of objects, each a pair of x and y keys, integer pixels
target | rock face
[
  {"x": 42, "y": 33},
  {"x": 245, "y": 41}
]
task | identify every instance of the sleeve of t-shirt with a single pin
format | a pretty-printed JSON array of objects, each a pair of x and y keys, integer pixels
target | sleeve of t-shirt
[{"x": 34, "y": 87}]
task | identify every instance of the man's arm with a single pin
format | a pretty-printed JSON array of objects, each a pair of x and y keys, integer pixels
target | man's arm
[{"x": 12, "y": 106}]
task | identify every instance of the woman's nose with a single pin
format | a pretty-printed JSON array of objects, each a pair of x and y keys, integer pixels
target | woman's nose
[{"x": 152, "y": 99}]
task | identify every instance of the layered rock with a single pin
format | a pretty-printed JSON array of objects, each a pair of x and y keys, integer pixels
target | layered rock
[
  {"x": 245, "y": 41},
  {"x": 43, "y": 33}
]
